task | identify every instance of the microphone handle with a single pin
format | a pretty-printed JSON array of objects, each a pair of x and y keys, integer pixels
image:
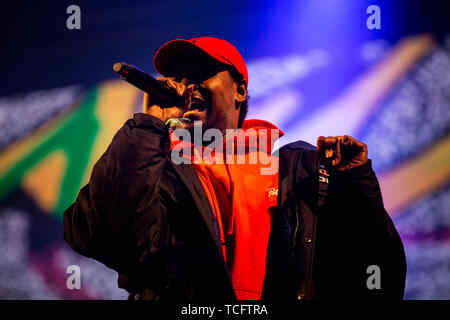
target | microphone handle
[{"x": 147, "y": 83}]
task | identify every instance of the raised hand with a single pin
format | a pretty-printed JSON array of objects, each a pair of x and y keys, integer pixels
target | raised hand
[{"x": 341, "y": 152}]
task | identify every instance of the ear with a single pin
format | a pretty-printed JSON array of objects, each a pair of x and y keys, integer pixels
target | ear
[{"x": 241, "y": 93}]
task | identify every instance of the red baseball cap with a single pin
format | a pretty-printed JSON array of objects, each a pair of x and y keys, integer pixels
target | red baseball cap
[{"x": 175, "y": 52}]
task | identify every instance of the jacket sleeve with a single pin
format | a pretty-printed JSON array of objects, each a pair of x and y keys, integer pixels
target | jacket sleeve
[
  {"x": 358, "y": 248},
  {"x": 110, "y": 219}
]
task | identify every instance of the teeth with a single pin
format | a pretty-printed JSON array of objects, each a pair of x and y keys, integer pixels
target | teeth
[{"x": 197, "y": 103}]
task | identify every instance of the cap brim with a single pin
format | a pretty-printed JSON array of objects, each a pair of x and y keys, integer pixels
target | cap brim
[{"x": 177, "y": 54}]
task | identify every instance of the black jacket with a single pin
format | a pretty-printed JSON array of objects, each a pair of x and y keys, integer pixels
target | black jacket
[
  {"x": 324, "y": 251},
  {"x": 151, "y": 221}
]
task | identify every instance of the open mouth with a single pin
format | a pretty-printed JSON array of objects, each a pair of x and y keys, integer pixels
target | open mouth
[{"x": 198, "y": 104}]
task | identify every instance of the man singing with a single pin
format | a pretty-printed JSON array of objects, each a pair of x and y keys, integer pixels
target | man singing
[{"x": 313, "y": 228}]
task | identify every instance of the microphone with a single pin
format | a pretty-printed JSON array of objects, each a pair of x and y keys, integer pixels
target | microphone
[{"x": 146, "y": 83}]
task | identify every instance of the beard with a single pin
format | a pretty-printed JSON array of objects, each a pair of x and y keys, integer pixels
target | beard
[{"x": 218, "y": 121}]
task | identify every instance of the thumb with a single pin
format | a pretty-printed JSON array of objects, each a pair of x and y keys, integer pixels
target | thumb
[{"x": 187, "y": 94}]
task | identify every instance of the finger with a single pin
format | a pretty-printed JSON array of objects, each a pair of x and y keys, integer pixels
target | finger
[
  {"x": 187, "y": 94},
  {"x": 320, "y": 143},
  {"x": 353, "y": 144},
  {"x": 325, "y": 142},
  {"x": 337, "y": 150},
  {"x": 164, "y": 78},
  {"x": 361, "y": 145},
  {"x": 327, "y": 146},
  {"x": 324, "y": 150},
  {"x": 179, "y": 87},
  {"x": 145, "y": 101},
  {"x": 349, "y": 141},
  {"x": 172, "y": 84},
  {"x": 330, "y": 149},
  {"x": 188, "y": 91},
  {"x": 358, "y": 144}
]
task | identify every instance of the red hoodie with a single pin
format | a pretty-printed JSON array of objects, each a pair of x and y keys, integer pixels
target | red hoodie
[{"x": 240, "y": 197}]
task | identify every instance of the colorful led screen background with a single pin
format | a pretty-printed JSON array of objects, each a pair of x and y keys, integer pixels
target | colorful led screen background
[{"x": 314, "y": 68}]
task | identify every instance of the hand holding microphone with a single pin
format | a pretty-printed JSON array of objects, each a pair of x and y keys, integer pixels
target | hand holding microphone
[
  {"x": 164, "y": 98},
  {"x": 152, "y": 106}
]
